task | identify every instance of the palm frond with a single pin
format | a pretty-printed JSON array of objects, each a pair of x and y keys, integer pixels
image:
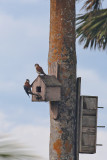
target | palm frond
[
  {"x": 92, "y": 5},
  {"x": 11, "y": 149},
  {"x": 92, "y": 29}
]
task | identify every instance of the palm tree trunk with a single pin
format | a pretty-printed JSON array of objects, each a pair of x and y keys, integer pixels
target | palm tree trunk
[{"x": 62, "y": 51}]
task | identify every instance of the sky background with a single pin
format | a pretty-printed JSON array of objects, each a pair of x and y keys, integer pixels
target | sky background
[{"x": 24, "y": 41}]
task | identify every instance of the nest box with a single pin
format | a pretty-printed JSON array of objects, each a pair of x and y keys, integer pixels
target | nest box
[
  {"x": 46, "y": 88},
  {"x": 86, "y": 121},
  {"x": 88, "y": 124}
]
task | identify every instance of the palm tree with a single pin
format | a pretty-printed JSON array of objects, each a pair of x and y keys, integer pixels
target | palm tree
[
  {"x": 62, "y": 52},
  {"x": 92, "y": 26},
  {"x": 10, "y": 149}
]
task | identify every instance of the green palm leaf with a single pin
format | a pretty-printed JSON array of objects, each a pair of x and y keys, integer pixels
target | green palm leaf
[{"x": 92, "y": 29}]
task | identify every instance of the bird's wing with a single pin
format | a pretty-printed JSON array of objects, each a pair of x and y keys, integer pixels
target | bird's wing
[{"x": 39, "y": 69}]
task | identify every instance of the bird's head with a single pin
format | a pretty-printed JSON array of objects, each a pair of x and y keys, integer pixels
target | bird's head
[
  {"x": 36, "y": 65},
  {"x": 27, "y": 80}
]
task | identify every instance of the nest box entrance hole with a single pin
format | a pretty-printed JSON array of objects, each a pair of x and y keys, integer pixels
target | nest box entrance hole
[{"x": 38, "y": 89}]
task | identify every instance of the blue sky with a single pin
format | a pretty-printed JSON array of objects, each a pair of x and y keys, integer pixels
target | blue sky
[{"x": 24, "y": 41}]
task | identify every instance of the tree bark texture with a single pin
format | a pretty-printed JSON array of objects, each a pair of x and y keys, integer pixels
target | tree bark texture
[{"x": 62, "y": 51}]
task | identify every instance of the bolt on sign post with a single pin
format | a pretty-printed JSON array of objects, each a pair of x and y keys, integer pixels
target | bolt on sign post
[{"x": 62, "y": 64}]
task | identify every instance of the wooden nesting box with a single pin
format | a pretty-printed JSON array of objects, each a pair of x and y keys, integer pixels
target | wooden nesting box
[
  {"x": 47, "y": 87},
  {"x": 88, "y": 124}
]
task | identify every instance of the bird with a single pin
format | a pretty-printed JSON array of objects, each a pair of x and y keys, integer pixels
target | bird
[
  {"x": 27, "y": 87},
  {"x": 39, "y": 69}
]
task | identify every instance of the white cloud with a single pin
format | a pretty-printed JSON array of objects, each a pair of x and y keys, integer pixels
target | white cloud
[
  {"x": 36, "y": 137},
  {"x": 4, "y": 124},
  {"x": 93, "y": 84}
]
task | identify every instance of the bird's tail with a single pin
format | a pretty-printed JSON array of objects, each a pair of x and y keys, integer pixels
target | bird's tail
[{"x": 44, "y": 73}]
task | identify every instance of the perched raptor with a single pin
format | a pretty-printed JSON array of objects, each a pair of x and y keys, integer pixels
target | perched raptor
[{"x": 39, "y": 69}]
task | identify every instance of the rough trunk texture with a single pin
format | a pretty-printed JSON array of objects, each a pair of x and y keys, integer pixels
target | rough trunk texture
[{"x": 62, "y": 51}]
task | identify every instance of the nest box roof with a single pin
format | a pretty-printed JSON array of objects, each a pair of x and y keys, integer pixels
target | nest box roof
[{"x": 50, "y": 80}]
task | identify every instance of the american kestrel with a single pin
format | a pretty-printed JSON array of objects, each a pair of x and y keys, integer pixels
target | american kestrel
[
  {"x": 39, "y": 69},
  {"x": 27, "y": 87}
]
